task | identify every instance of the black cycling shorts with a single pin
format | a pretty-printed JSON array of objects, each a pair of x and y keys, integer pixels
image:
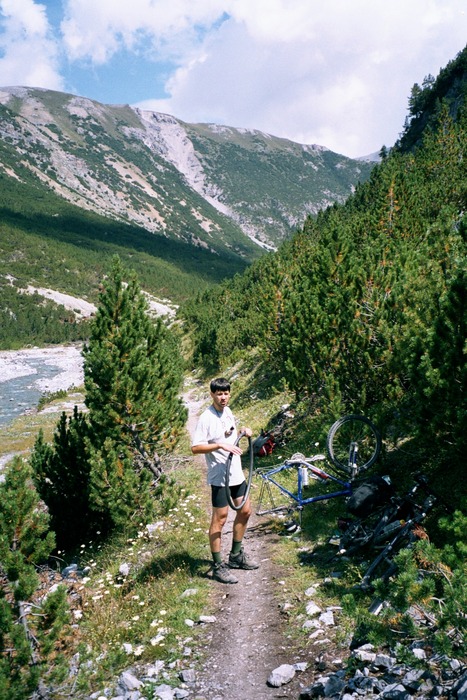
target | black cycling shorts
[{"x": 219, "y": 496}]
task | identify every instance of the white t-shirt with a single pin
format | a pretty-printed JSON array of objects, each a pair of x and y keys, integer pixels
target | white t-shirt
[{"x": 212, "y": 427}]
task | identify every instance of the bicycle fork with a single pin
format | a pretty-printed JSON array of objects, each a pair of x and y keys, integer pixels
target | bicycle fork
[{"x": 352, "y": 464}]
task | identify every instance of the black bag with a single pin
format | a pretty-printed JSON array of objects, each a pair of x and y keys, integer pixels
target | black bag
[{"x": 371, "y": 494}]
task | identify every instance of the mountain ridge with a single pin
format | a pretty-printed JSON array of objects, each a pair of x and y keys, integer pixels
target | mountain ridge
[{"x": 209, "y": 185}]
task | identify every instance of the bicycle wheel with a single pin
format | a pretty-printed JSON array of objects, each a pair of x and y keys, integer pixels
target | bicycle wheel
[{"x": 353, "y": 444}]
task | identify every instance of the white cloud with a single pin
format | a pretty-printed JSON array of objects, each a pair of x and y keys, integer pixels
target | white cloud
[
  {"x": 28, "y": 53},
  {"x": 337, "y": 73},
  {"x": 166, "y": 28}
]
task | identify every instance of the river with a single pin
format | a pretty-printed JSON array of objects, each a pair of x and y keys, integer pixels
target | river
[{"x": 25, "y": 375}]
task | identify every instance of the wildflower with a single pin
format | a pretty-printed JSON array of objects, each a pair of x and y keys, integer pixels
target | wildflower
[
  {"x": 139, "y": 650},
  {"x": 127, "y": 648},
  {"x": 77, "y": 614}
]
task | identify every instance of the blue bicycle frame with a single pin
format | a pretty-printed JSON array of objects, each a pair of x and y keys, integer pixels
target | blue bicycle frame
[{"x": 297, "y": 498}]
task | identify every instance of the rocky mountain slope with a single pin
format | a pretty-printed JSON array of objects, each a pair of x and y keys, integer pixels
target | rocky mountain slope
[{"x": 210, "y": 186}]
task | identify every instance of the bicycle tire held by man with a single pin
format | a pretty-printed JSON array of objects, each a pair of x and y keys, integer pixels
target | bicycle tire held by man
[{"x": 216, "y": 437}]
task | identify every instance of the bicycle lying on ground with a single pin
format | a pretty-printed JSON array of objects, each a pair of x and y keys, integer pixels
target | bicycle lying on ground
[
  {"x": 399, "y": 528},
  {"x": 353, "y": 445}
]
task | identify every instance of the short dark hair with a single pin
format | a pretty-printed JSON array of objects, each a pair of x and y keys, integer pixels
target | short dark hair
[{"x": 219, "y": 384}]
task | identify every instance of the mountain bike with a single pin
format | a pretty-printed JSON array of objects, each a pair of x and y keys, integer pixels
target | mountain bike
[
  {"x": 399, "y": 528},
  {"x": 283, "y": 486},
  {"x": 376, "y": 510}
]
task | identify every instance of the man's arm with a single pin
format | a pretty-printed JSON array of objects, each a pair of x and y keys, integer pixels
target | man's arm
[{"x": 204, "y": 448}]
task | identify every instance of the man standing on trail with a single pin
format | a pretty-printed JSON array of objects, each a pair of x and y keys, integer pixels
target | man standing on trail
[{"x": 215, "y": 437}]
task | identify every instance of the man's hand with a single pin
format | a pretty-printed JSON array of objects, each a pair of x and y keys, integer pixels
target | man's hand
[
  {"x": 246, "y": 431},
  {"x": 228, "y": 447}
]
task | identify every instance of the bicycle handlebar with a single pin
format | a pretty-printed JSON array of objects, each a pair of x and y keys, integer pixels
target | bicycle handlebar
[{"x": 301, "y": 459}]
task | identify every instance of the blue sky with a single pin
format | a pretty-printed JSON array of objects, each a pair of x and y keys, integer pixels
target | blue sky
[{"x": 337, "y": 73}]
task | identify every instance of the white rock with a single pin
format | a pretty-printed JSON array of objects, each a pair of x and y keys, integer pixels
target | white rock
[
  {"x": 327, "y": 618},
  {"x": 281, "y": 675},
  {"x": 312, "y": 608},
  {"x": 207, "y": 618},
  {"x": 189, "y": 592}
]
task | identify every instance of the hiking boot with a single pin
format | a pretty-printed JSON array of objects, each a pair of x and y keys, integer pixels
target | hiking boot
[
  {"x": 241, "y": 561},
  {"x": 222, "y": 574}
]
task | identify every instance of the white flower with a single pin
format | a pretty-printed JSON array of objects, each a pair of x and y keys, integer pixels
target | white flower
[
  {"x": 139, "y": 650},
  {"x": 77, "y": 614},
  {"x": 127, "y": 648}
]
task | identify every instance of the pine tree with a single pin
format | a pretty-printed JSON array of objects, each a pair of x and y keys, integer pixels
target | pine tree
[
  {"x": 133, "y": 374},
  {"x": 61, "y": 475},
  {"x": 29, "y": 624},
  {"x": 441, "y": 378},
  {"x": 105, "y": 466}
]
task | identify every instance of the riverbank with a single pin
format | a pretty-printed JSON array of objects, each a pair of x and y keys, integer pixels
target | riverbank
[{"x": 67, "y": 358}]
